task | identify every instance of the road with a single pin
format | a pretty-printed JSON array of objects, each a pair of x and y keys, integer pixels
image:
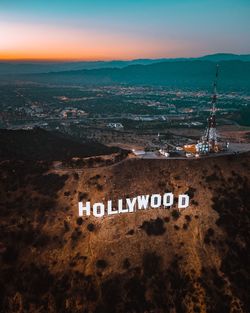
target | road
[{"x": 234, "y": 148}]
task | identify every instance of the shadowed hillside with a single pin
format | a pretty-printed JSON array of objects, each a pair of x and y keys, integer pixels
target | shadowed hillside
[{"x": 39, "y": 144}]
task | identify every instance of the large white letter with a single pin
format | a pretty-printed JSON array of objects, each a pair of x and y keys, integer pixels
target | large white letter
[
  {"x": 168, "y": 199},
  {"x": 101, "y": 209},
  {"x": 110, "y": 209},
  {"x": 142, "y": 202},
  {"x": 155, "y": 201},
  {"x": 131, "y": 204},
  {"x": 82, "y": 208},
  {"x": 183, "y": 201},
  {"x": 120, "y": 207}
]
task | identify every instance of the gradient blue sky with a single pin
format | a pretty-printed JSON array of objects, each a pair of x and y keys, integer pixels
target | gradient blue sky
[{"x": 122, "y": 29}]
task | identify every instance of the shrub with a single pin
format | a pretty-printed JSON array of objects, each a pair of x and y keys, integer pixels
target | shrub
[
  {"x": 131, "y": 232},
  {"x": 79, "y": 221},
  {"x": 154, "y": 227},
  {"x": 126, "y": 263},
  {"x": 191, "y": 192},
  {"x": 99, "y": 187},
  {"x": 82, "y": 195},
  {"x": 91, "y": 227},
  {"x": 188, "y": 218},
  {"x": 101, "y": 264},
  {"x": 66, "y": 226},
  {"x": 175, "y": 214},
  {"x": 185, "y": 226},
  {"x": 76, "y": 234}
]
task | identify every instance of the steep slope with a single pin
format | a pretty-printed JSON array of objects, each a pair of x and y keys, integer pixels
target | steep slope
[
  {"x": 155, "y": 260},
  {"x": 39, "y": 144}
]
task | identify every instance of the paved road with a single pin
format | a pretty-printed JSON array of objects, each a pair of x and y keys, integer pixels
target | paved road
[{"x": 234, "y": 148}]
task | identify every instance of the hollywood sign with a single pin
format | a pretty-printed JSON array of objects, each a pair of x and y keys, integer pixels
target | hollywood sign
[{"x": 130, "y": 205}]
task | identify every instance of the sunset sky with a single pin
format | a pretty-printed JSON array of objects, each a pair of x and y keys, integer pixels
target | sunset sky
[{"x": 109, "y": 29}]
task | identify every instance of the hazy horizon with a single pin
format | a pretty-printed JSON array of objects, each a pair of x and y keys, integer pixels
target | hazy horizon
[{"x": 117, "y": 59}]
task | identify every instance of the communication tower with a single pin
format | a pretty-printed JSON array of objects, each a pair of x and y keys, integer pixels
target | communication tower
[{"x": 210, "y": 135}]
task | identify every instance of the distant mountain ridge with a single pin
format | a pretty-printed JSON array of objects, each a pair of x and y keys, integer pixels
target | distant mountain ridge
[
  {"x": 11, "y": 67},
  {"x": 234, "y": 75}
]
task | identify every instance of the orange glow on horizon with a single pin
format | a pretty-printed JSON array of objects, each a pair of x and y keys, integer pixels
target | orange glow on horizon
[
  {"x": 31, "y": 56},
  {"x": 28, "y": 42}
]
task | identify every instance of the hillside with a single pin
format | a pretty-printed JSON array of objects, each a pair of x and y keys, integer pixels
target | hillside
[
  {"x": 39, "y": 144},
  {"x": 156, "y": 260},
  {"x": 182, "y": 74}
]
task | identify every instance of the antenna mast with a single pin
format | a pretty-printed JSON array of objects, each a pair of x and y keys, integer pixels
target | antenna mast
[
  {"x": 211, "y": 134},
  {"x": 214, "y": 98}
]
